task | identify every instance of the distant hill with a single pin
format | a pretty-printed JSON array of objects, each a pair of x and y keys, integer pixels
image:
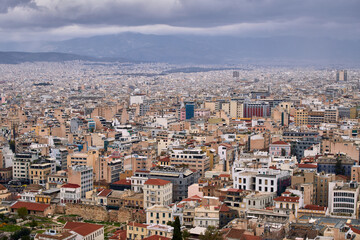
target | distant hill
[
  {"x": 196, "y": 49},
  {"x": 213, "y": 49},
  {"x": 21, "y": 57}
]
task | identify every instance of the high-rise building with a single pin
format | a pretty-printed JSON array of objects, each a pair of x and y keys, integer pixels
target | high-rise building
[
  {"x": 256, "y": 109},
  {"x": 83, "y": 176},
  {"x": 341, "y": 75},
  {"x": 181, "y": 178},
  {"x": 189, "y": 110},
  {"x": 236, "y": 74}
]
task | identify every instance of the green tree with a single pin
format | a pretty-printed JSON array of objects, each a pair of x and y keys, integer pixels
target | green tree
[
  {"x": 185, "y": 234},
  {"x": 177, "y": 235},
  {"x": 22, "y": 212},
  {"x": 12, "y": 145},
  {"x": 211, "y": 233},
  {"x": 23, "y": 233},
  {"x": 339, "y": 169},
  {"x": 33, "y": 224}
]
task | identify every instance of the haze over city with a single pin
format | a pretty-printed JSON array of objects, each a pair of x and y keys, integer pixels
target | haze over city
[{"x": 179, "y": 120}]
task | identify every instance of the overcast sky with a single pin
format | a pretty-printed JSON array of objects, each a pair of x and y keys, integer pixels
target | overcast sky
[{"x": 22, "y": 20}]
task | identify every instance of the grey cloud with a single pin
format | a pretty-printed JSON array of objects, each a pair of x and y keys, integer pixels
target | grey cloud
[
  {"x": 6, "y": 5},
  {"x": 257, "y": 16}
]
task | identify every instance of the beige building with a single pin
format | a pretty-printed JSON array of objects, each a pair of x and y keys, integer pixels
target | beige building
[
  {"x": 139, "y": 231},
  {"x": 195, "y": 159},
  {"x": 205, "y": 216},
  {"x": 57, "y": 179},
  {"x": 236, "y": 109},
  {"x": 157, "y": 192},
  {"x": 82, "y": 176},
  {"x": 321, "y": 182},
  {"x": 38, "y": 173},
  {"x": 83, "y": 159},
  {"x": 301, "y": 117},
  {"x": 331, "y": 115},
  {"x": 355, "y": 173},
  {"x": 159, "y": 215}
]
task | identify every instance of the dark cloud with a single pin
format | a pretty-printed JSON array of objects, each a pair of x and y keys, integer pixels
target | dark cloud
[
  {"x": 7, "y": 5},
  {"x": 266, "y": 17}
]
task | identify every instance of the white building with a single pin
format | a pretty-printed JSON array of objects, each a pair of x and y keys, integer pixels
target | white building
[
  {"x": 138, "y": 180},
  {"x": 86, "y": 231},
  {"x": 83, "y": 176},
  {"x": 21, "y": 165},
  {"x": 343, "y": 198},
  {"x": 262, "y": 180},
  {"x": 157, "y": 192},
  {"x": 137, "y": 99},
  {"x": 159, "y": 214},
  {"x": 70, "y": 193}
]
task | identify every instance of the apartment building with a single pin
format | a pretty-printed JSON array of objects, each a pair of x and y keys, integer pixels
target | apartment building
[
  {"x": 70, "y": 193},
  {"x": 279, "y": 148},
  {"x": 39, "y": 172},
  {"x": 21, "y": 165},
  {"x": 139, "y": 231},
  {"x": 195, "y": 159},
  {"x": 301, "y": 117},
  {"x": 181, "y": 178},
  {"x": 327, "y": 163},
  {"x": 207, "y": 216},
  {"x": 343, "y": 199},
  {"x": 159, "y": 214},
  {"x": 260, "y": 200},
  {"x": 138, "y": 180},
  {"x": 157, "y": 192},
  {"x": 262, "y": 180},
  {"x": 83, "y": 159},
  {"x": 321, "y": 182},
  {"x": 56, "y": 180},
  {"x": 83, "y": 176},
  {"x": 331, "y": 115}
]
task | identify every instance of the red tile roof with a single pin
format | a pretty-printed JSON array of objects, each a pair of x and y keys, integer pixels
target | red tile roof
[
  {"x": 165, "y": 159},
  {"x": 224, "y": 208},
  {"x": 155, "y": 181},
  {"x": 70, "y": 185},
  {"x": 135, "y": 224},
  {"x": 2, "y": 187},
  {"x": 234, "y": 233},
  {"x": 315, "y": 207},
  {"x": 280, "y": 143},
  {"x": 105, "y": 193},
  {"x": 234, "y": 190},
  {"x": 355, "y": 230},
  {"x": 302, "y": 165},
  {"x": 250, "y": 237},
  {"x": 119, "y": 235},
  {"x": 31, "y": 206},
  {"x": 224, "y": 175},
  {"x": 115, "y": 154},
  {"x": 286, "y": 199},
  {"x": 82, "y": 228},
  {"x": 156, "y": 237},
  {"x": 122, "y": 182}
]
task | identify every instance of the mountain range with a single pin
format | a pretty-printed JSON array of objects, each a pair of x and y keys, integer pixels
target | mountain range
[{"x": 191, "y": 49}]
